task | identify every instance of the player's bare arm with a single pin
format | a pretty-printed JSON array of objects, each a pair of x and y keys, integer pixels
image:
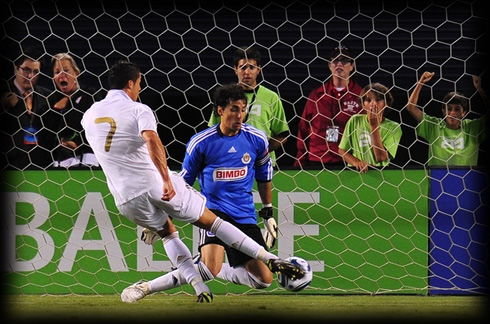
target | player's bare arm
[
  {"x": 265, "y": 192},
  {"x": 159, "y": 158}
]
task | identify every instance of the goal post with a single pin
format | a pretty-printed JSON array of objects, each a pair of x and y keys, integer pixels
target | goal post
[{"x": 406, "y": 228}]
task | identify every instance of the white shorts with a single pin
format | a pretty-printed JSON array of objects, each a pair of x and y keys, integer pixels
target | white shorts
[{"x": 150, "y": 211}]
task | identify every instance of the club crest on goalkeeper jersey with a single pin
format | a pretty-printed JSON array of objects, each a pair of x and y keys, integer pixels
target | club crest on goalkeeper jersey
[{"x": 226, "y": 168}]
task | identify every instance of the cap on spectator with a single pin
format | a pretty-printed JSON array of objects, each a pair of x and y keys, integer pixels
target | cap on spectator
[{"x": 341, "y": 52}]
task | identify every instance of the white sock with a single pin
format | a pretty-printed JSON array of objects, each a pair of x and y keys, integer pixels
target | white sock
[
  {"x": 235, "y": 238},
  {"x": 181, "y": 257},
  {"x": 176, "y": 279},
  {"x": 240, "y": 275},
  {"x": 167, "y": 281}
]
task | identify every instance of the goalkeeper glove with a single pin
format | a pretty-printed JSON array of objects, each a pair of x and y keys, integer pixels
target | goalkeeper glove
[
  {"x": 149, "y": 237},
  {"x": 270, "y": 236}
]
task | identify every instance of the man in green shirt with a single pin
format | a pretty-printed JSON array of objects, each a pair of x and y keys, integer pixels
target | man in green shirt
[
  {"x": 265, "y": 110},
  {"x": 453, "y": 140}
]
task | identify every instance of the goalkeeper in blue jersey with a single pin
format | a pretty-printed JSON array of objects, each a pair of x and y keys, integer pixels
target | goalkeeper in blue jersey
[{"x": 226, "y": 159}]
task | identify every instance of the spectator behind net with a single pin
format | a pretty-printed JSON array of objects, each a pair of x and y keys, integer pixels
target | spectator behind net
[
  {"x": 454, "y": 140},
  {"x": 265, "y": 109},
  {"x": 27, "y": 138},
  {"x": 371, "y": 139},
  {"x": 327, "y": 111},
  {"x": 71, "y": 100}
]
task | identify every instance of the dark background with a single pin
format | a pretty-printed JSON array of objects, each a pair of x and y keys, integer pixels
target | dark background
[{"x": 185, "y": 49}]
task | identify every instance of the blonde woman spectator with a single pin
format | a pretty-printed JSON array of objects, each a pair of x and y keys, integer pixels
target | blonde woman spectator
[{"x": 71, "y": 101}]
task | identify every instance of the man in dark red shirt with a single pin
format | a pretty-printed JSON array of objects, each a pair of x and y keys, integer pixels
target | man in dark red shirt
[{"x": 326, "y": 112}]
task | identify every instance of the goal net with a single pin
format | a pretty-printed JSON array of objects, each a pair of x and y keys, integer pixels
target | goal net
[{"x": 404, "y": 228}]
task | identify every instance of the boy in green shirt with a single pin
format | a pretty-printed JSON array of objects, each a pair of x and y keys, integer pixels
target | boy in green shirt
[
  {"x": 453, "y": 140},
  {"x": 370, "y": 138}
]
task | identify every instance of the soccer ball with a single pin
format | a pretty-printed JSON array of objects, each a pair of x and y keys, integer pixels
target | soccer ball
[{"x": 298, "y": 284}]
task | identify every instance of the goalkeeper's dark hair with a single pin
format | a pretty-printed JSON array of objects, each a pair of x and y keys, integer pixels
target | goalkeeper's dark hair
[
  {"x": 121, "y": 72},
  {"x": 226, "y": 94}
]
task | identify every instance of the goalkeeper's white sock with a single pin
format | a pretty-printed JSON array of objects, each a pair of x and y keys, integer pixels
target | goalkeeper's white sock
[
  {"x": 176, "y": 279},
  {"x": 235, "y": 238},
  {"x": 180, "y": 256},
  {"x": 240, "y": 275}
]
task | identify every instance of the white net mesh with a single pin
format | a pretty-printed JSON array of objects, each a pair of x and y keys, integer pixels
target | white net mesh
[{"x": 374, "y": 233}]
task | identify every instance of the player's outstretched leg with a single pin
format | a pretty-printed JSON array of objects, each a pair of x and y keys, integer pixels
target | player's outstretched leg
[
  {"x": 135, "y": 292},
  {"x": 286, "y": 268}
]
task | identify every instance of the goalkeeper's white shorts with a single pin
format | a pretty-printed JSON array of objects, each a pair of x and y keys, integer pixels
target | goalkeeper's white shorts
[{"x": 150, "y": 211}]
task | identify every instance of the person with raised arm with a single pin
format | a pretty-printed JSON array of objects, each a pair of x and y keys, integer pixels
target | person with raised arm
[{"x": 453, "y": 140}]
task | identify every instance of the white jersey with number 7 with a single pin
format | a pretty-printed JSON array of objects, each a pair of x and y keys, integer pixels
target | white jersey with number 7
[{"x": 113, "y": 128}]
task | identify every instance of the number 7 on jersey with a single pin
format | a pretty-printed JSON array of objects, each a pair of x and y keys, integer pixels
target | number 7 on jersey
[{"x": 112, "y": 130}]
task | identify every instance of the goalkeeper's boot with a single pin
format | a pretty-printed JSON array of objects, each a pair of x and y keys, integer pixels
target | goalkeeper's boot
[
  {"x": 286, "y": 268},
  {"x": 135, "y": 292},
  {"x": 205, "y": 297}
]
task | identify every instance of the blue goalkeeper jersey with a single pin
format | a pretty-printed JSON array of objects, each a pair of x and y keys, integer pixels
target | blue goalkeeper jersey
[{"x": 226, "y": 167}]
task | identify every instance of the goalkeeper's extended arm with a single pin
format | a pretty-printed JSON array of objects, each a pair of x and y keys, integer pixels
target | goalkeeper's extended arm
[{"x": 270, "y": 235}]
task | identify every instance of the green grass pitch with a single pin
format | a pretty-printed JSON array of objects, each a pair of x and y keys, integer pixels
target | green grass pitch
[{"x": 234, "y": 308}]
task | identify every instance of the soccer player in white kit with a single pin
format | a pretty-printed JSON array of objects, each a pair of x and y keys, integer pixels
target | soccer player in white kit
[{"x": 123, "y": 135}]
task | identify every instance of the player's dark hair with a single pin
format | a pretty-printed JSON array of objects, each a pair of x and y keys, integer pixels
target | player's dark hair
[
  {"x": 380, "y": 91},
  {"x": 248, "y": 53},
  {"x": 226, "y": 94},
  {"x": 121, "y": 72},
  {"x": 455, "y": 98}
]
